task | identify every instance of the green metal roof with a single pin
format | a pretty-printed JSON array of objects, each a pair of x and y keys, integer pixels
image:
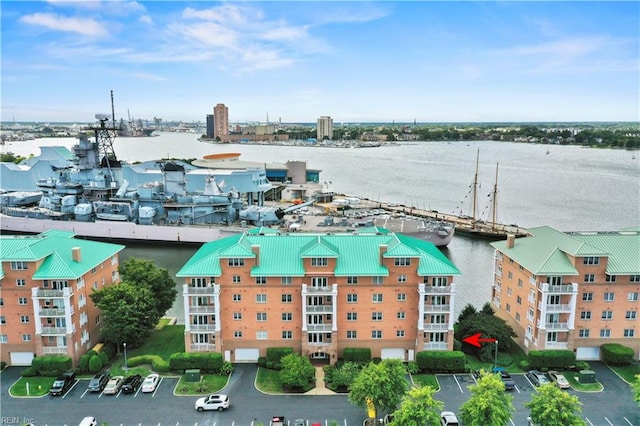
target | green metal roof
[
  {"x": 54, "y": 249},
  {"x": 546, "y": 251},
  {"x": 357, "y": 254}
]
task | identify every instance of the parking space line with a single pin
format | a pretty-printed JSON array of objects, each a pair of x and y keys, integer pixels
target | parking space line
[
  {"x": 588, "y": 421},
  {"x": 84, "y": 393},
  {"x": 608, "y": 421},
  {"x": 70, "y": 389},
  {"x": 511, "y": 420},
  {"x": 517, "y": 388},
  {"x": 458, "y": 383},
  {"x": 531, "y": 383},
  {"x": 627, "y": 420}
]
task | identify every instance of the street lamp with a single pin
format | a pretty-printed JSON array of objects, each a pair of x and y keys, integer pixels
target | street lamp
[
  {"x": 125, "y": 356},
  {"x": 495, "y": 357}
]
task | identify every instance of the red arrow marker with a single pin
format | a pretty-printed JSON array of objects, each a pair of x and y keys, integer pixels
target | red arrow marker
[{"x": 475, "y": 340}]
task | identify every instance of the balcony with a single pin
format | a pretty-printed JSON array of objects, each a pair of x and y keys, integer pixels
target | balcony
[
  {"x": 54, "y": 331},
  {"x": 319, "y": 290},
  {"x": 555, "y": 326},
  {"x": 556, "y": 308},
  {"x": 556, "y": 345},
  {"x": 559, "y": 289},
  {"x": 202, "y": 327},
  {"x": 320, "y": 327},
  {"x": 51, "y": 312},
  {"x": 439, "y": 346},
  {"x": 437, "y": 308},
  {"x": 320, "y": 309},
  {"x": 202, "y": 347},
  {"x": 430, "y": 289},
  {"x": 202, "y": 309},
  {"x": 200, "y": 290},
  {"x": 49, "y": 293},
  {"x": 436, "y": 327},
  {"x": 54, "y": 350}
]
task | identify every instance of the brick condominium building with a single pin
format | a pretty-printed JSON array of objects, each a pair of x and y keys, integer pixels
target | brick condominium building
[
  {"x": 318, "y": 293},
  {"x": 45, "y": 283},
  {"x": 572, "y": 291}
]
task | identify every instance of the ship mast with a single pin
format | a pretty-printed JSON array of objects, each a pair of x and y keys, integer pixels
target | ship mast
[
  {"x": 494, "y": 207},
  {"x": 474, "y": 202}
]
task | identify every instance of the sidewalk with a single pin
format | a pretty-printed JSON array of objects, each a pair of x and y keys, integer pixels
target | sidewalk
[{"x": 320, "y": 388}]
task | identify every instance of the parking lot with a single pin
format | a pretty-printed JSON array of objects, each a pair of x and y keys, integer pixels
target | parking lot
[{"x": 614, "y": 406}]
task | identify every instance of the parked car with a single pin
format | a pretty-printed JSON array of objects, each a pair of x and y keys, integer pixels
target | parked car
[
  {"x": 63, "y": 383},
  {"x": 299, "y": 422},
  {"x": 131, "y": 383},
  {"x": 277, "y": 421},
  {"x": 506, "y": 378},
  {"x": 537, "y": 378},
  {"x": 98, "y": 382},
  {"x": 213, "y": 402},
  {"x": 150, "y": 382},
  {"x": 559, "y": 380},
  {"x": 448, "y": 418},
  {"x": 113, "y": 386}
]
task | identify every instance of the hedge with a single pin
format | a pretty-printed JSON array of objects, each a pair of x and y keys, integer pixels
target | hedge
[
  {"x": 554, "y": 358},
  {"x": 95, "y": 364},
  {"x": 157, "y": 363},
  {"x": 615, "y": 353},
  {"x": 275, "y": 354},
  {"x": 356, "y": 355},
  {"x": 51, "y": 365},
  {"x": 208, "y": 361},
  {"x": 441, "y": 361}
]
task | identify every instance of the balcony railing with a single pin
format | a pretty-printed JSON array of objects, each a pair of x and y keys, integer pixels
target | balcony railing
[
  {"x": 557, "y": 326},
  {"x": 434, "y": 326},
  {"x": 327, "y": 289},
  {"x": 557, "y": 308},
  {"x": 203, "y": 309},
  {"x": 320, "y": 309},
  {"x": 53, "y": 331},
  {"x": 202, "y": 327},
  {"x": 440, "y": 346},
  {"x": 49, "y": 350},
  {"x": 559, "y": 289},
  {"x": 556, "y": 345},
  {"x": 437, "y": 308},
  {"x": 319, "y": 327},
  {"x": 203, "y": 347},
  {"x": 51, "y": 312},
  {"x": 49, "y": 293},
  {"x": 437, "y": 289},
  {"x": 200, "y": 290}
]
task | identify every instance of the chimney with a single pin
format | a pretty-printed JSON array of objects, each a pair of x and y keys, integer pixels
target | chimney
[
  {"x": 256, "y": 250},
  {"x": 76, "y": 255},
  {"x": 382, "y": 249},
  {"x": 511, "y": 240}
]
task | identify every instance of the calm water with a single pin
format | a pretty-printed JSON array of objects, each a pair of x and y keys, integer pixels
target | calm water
[{"x": 570, "y": 188}]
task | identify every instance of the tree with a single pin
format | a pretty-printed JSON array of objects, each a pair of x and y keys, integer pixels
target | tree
[
  {"x": 636, "y": 389},
  {"x": 551, "y": 406},
  {"x": 297, "y": 371},
  {"x": 143, "y": 272},
  {"x": 489, "y": 403},
  {"x": 383, "y": 383},
  {"x": 128, "y": 311},
  {"x": 418, "y": 408},
  {"x": 489, "y": 326}
]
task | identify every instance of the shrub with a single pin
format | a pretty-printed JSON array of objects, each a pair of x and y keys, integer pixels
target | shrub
[
  {"x": 157, "y": 363},
  {"x": 362, "y": 355},
  {"x": 441, "y": 361},
  {"x": 548, "y": 359},
  {"x": 104, "y": 357},
  {"x": 275, "y": 354},
  {"x": 29, "y": 372},
  {"x": 226, "y": 369},
  {"x": 262, "y": 361},
  {"x": 83, "y": 363},
  {"x": 615, "y": 353},
  {"x": 2, "y": 365},
  {"x": 582, "y": 365},
  {"x": 110, "y": 350},
  {"x": 412, "y": 367},
  {"x": 95, "y": 364},
  {"x": 51, "y": 365},
  {"x": 525, "y": 365},
  {"x": 206, "y": 361}
]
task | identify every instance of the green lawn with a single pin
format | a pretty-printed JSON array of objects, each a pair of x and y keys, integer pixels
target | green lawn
[
  {"x": 574, "y": 378},
  {"x": 38, "y": 386},
  {"x": 209, "y": 383},
  {"x": 627, "y": 372},
  {"x": 426, "y": 380},
  {"x": 268, "y": 380}
]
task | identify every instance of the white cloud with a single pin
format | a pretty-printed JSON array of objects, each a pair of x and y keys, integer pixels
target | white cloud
[{"x": 84, "y": 26}]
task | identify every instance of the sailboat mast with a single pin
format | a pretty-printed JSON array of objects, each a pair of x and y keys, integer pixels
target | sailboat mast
[
  {"x": 494, "y": 219},
  {"x": 474, "y": 202}
]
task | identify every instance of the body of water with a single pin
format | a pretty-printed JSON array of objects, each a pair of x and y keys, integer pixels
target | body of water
[{"x": 569, "y": 188}]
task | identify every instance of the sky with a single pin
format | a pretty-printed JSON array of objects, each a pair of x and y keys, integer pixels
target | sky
[{"x": 294, "y": 61}]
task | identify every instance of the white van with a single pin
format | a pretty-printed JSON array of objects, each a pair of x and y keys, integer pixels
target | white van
[{"x": 88, "y": 421}]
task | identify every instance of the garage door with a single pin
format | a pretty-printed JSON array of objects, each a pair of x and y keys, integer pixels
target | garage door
[
  {"x": 586, "y": 353},
  {"x": 247, "y": 355},
  {"x": 21, "y": 358},
  {"x": 396, "y": 353}
]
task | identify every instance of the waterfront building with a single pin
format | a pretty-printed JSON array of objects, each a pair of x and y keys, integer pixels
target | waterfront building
[
  {"x": 570, "y": 290},
  {"x": 46, "y": 281},
  {"x": 210, "y": 124},
  {"x": 325, "y": 128},
  {"x": 221, "y": 121},
  {"x": 318, "y": 293}
]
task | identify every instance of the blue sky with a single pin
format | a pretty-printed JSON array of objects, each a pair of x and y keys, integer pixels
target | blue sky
[{"x": 294, "y": 61}]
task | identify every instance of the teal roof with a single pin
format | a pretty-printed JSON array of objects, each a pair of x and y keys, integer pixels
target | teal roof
[
  {"x": 547, "y": 251},
  {"x": 54, "y": 249},
  {"x": 357, "y": 254}
]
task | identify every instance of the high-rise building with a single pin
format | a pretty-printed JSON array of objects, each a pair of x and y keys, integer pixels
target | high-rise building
[
  {"x": 319, "y": 294},
  {"x": 573, "y": 291},
  {"x": 325, "y": 128},
  {"x": 221, "y": 121},
  {"x": 46, "y": 280},
  {"x": 210, "y": 122}
]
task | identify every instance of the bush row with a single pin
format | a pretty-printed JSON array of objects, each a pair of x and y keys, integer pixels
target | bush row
[
  {"x": 205, "y": 361},
  {"x": 441, "y": 361},
  {"x": 551, "y": 359},
  {"x": 615, "y": 353}
]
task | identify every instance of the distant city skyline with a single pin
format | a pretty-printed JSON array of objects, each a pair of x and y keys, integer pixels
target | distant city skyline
[{"x": 357, "y": 62}]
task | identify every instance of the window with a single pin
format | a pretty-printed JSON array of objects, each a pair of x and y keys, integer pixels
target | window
[
  {"x": 584, "y": 333},
  {"x": 287, "y": 298},
  {"x": 629, "y": 332},
  {"x": 261, "y": 298},
  {"x": 24, "y": 319},
  {"x": 261, "y": 316},
  {"x": 237, "y": 334},
  {"x": 352, "y": 280},
  {"x": 376, "y": 316},
  {"x": 439, "y": 281},
  {"x": 631, "y": 315},
  {"x": 509, "y": 291},
  {"x": 610, "y": 278},
  {"x": 234, "y": 262},
  {"x": 510, "y": 275},
  {"x": 22, "y": 301},
  {"x": 402, "y": 297},
  {"x": 520, "y": 283},
  {"x": 634, "y": 278},
  {"x": 352, "y": 334},
  {"x": 632, "y": 297},
  {"x": 587, "y": 296},
  {"x": 437, "y": 337},
  {"x": 402, "y": 278},
  {"x": 399, "y": 333},
  {"x": 401, "y": 315},
  {"x": 3, "y": 338},
  {"x": 352, "y": 316},
  {"x": 1, "y": 301},
  {"x": 26, "y": 337},
  {"x": 376, "y": 297},
  {"x": 518, "y": 316},
  {"x": 607, "y": 315},
  {"x": 319, "y": 282},
  {"x": 287, "y": 334},
  {"x": 585, "y": 315},
  {"x": 319, "y": 261},
  {"x": 589, "y": 278},
  {"x": 402, "y": 261},
  {"x": 236, "y": 279},
  {"x": 376, "y": 334},
  {"x": 605, "y": 333},
  {"x": 20, "y": 282},
  {"x": 519, "y": 300},
  {"x": 591, "y": 260},
  {"x": 18, "y": 266},
  {"x": 3, "y": 320},
  {"x": 609, "y": 297},
  {"x": 97, "y": 319},
  {"x": 287, "y": 316},
  {"x": 237, "y": 315},
  {"x": 261, "y": 280},
  {"x": 378, "y": 280},
  {"x": 352, "y": 298},
  {"x": 237, "y": 297},
  {"x": 554, "y": 280},
  {"x": 508, "y": 307},
  {"x": 262, "y": 335},
  {"x": 286, "y": 280}
]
